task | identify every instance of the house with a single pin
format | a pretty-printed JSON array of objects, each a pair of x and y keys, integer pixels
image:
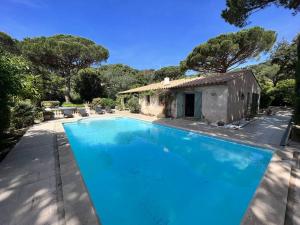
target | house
[{"x": 225, "y": 97}]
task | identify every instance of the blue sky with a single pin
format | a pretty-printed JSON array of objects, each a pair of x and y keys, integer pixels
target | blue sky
[{"x": 142, "y": 34}]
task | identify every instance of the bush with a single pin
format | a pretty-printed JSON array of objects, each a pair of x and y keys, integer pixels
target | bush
[
  {"x": 266, "y": 95},
  {"x": 23, "y": 115},
  {"x": 284, "y": 93},
  {"x": 50, "y": 104},
  {"x": 95, "y": 102},
  {"x": 108, "y": 102},
  {"x": 104, "y": 102},
  {"x": 133, "y": 105},
  {"x": 119, "y": 103}
]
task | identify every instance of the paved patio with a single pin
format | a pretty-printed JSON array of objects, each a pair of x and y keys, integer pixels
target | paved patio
[{"x": 40, "y": 182}]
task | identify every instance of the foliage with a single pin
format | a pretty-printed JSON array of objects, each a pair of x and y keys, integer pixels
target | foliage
[
  {"x": 52, "y": 86},
  {"x": 96, "y": 102},
  {"x": 88, "y": 84},
  {"x": 8, "y": 44},
  {"x": 267, "y": 94},
  {"x": 146, "y": 76},
  {"x": 64, "y": 54},
  {"x": 118, "y": 77},
  {"x": 285, "y": 56},
  {"x": 227, "y": 51},
  {"x": 104, "y": 102},
  {"x": 238, "y": 11},
  {"x": 119, "y": 102},
  {"x": 50, "y": 104},
  {"x": 12, "y": 69},
  {"x": 297, "y": 85},
  {"x": 133, "y": 105},
  {"x": 173, "y": 72},
  {"x": 267, "y": 70},
  {"x": 108, "y": 102},
  {"x": 23, "y": 114},
  {"x": 284, "y": 93}
]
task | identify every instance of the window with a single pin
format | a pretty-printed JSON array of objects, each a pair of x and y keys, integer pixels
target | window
[{"x": 148, "y": 99}]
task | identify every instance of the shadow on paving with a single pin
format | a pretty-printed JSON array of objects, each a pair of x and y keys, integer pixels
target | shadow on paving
[
  {"x": 78, "y": 208},
  {"x": 266, "y": 130},
  {"x": 28, "y": 194}
]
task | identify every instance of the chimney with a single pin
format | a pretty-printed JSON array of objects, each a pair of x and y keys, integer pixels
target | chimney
[{"x": 166, "y": 81}]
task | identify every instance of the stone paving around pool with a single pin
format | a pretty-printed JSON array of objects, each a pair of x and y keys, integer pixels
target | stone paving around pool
[{"x": 40, "y": 182}]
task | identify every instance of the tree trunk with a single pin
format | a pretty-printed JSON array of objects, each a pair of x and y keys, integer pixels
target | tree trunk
[
  {"x": 67, "y": 89},
  {"x": 297, "y": 86}
]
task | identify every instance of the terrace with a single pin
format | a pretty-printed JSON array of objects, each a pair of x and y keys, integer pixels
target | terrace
[{"x": 40, "y": 182}]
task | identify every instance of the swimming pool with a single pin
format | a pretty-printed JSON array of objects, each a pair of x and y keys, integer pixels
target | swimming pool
[{"x": 139, "y": 173}]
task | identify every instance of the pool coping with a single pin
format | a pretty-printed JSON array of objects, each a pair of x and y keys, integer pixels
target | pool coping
[
  {"x": 268, "y": 204},
  {"x": 78, "y": 210}
]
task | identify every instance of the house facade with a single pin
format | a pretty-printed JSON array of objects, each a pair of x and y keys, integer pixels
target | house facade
[{"x": 225, "y": 97}]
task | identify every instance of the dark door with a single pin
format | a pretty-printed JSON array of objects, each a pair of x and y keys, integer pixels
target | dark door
[
  {"x": 189, "y": 105},
  {"x": 254, "y": 104}
]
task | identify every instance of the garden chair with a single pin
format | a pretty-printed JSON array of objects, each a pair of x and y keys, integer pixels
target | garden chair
[
  {"x": 109, "y": 110},
  {"x": 68, "y": 113},
  {"x": 99, "y": 110},
  {"x": 83, "y": 112}
]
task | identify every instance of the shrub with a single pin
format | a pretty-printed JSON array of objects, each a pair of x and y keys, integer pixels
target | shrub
[
  {"x": 133, "y": 105},
  {"x": 284, "y": 93},
  {"x": 95, "y": 102},
  {"x": 23, "y": 115},
  {"x": 104, "y": 102},
  {"x": 108, "y": 102},
  {"x": 266, "y": 95},
  {"x": 119, "y": 103},
  {"x": 50, "y": 104}
]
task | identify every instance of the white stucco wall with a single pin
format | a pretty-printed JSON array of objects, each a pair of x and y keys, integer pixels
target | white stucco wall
[
  {"x": 154, "y": 108},
  {"x": 214, "y": 103}
]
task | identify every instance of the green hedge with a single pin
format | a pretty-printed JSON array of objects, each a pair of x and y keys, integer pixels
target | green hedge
[
  {"x": 104, "y": 102},
  {"x": 23, "y": 115},
  {"x": 50, "y": 104}
]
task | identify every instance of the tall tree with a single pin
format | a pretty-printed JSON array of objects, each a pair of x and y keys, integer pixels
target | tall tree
[
  {"x": 118, "y": 77},
  {"x": 227, "y": 51},
  {"x": 237, "y": 12},
  {"x": 285, "y": 56},
  {"x": 173, "y": 72},
  {"x": 267, "y": 70},
  {"x": 88, "y": 84},
  {"x": 64, "y": 55}
]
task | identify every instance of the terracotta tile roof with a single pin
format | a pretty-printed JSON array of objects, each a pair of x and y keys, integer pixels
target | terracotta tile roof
[{"x": 213, "y": 79}]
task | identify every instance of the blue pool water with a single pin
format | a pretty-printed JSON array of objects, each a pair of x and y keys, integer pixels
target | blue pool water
[{"x": 139, "y": 173}]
